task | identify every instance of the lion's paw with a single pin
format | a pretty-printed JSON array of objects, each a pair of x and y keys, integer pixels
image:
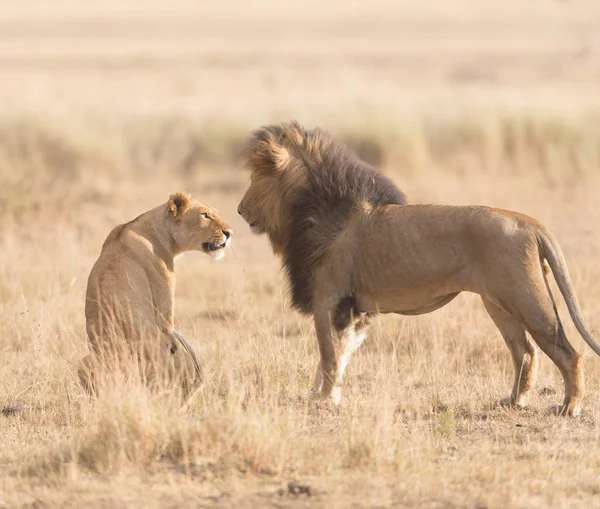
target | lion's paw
[
  {"x": 511, "y": 403},
  {"x": 319, "y": 400},
  {"x": 567, "y": 409}
]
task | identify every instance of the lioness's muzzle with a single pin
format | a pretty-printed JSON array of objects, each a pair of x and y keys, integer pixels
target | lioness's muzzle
[{"x": 214, "y": 246}]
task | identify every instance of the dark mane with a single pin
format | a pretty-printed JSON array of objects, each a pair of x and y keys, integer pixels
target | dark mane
[{"x": 337, "y": 183}]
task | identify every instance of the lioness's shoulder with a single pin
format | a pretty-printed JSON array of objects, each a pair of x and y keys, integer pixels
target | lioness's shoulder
[{"x": 114, "y": 235}]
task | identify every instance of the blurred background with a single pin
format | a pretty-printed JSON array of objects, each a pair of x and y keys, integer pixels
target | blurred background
[
  {"x": 108, "y": 107},
  {"x": 122, "y": 89}
]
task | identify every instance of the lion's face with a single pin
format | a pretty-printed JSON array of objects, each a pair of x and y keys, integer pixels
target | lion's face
[
  {"x": 261, "y": 205},
  {"x": 198, "y": 227}
]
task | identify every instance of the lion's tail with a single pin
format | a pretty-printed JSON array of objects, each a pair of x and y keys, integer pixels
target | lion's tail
[{"x": 552, "y": 252}]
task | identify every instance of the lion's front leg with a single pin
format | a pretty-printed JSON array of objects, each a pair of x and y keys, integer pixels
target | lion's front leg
[
  {"x": 336, "y": 346},
  {"x": 318, "y": 382},
  {"x": 329, "y": 356},
  {"x": 351, "y": 339}
]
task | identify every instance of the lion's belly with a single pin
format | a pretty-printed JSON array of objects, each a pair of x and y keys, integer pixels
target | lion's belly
[{"x": 415, "y": 302}]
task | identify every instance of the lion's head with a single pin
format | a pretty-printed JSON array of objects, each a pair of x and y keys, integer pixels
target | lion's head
[
  {"x": 275, "y": 176},
  {"x": 195, "y": 226},
  {"x": 304, "y": 186}
]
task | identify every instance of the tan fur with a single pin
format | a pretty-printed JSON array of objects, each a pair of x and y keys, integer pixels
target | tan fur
[
  {"x": 414, "y": 259},
  {"x": 131, "y": 289}
]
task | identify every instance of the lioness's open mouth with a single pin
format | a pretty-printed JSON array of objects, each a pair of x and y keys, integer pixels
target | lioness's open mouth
[{"x": 213, "y": 246}]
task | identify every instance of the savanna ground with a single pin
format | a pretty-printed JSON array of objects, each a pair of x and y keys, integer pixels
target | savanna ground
[{"x": 107, "y": 109}]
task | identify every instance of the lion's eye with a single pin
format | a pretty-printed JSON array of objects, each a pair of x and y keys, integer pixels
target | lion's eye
[{"x": 205, "y": 215}]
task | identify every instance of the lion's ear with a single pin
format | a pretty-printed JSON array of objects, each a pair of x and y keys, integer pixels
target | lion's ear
[
  {"x": 279, "y": 156},
  {"x": 178, "y": 203}
]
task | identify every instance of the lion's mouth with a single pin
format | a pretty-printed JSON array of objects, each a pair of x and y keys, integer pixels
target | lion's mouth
[
  {"x": 254, "y": 228},
  {"x": 210, "y": 247}
]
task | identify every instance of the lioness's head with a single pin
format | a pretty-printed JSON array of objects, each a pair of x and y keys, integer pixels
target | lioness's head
[{"x": 197, "y": 227}]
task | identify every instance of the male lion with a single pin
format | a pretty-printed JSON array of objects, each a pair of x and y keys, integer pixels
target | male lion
[
  {"x": 131, "y": 289},
  {"x": 351, "y": 249}
]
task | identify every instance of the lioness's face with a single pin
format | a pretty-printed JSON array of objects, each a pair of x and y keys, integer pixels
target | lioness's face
[{"x": 201, "y": 228}]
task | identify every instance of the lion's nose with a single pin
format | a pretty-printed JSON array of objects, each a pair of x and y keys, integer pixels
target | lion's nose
[
  {"x": 227, "y": 233},
  {"x": 239, "y": 211}
]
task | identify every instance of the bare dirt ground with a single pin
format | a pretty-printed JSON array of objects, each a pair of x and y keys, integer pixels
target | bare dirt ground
[{"x": 109, "y": 108}]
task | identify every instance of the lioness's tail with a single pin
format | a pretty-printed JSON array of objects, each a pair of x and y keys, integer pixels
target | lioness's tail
[
  {"x": 191, "y": 351},
  {"x": 552, "y": 252}
]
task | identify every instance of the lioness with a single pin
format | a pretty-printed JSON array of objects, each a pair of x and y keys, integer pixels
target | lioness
[
  {"x": 352, "y": 249},
  {"x": 131, "y": 288}
]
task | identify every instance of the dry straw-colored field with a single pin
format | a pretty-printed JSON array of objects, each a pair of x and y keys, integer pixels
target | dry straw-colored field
[{"x": 109, "y": 107}]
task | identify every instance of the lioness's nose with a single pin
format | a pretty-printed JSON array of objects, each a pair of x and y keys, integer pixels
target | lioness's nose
[
  {"x": 240, "y": 211},
  {"x": 227, "y": 233}
]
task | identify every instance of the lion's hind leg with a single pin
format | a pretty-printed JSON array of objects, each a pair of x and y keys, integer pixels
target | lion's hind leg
[
  {"x": 523, "y": 352},
  {"x": 532, "y": 303},
  {"x": 546, "y": 329}
]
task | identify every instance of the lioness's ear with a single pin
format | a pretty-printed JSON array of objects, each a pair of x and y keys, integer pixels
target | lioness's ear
[{"x": 178, "y": 203}]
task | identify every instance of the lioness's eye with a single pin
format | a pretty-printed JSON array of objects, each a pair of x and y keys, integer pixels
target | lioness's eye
[{"x": 205, "y": 215}]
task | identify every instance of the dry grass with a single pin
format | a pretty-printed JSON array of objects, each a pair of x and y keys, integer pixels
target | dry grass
[{"x": 480, "y": 104}]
